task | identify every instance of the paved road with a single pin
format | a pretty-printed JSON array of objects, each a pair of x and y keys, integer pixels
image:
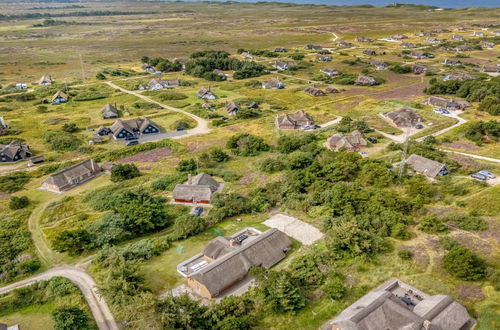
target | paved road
[
  {"x": 98, "y": 306},
  {"x": 202, "y": 124}
]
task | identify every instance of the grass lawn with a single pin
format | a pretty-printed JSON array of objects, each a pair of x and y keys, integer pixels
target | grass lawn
[
  {"x": 160, "y": 272},
  {"x": 32, "y": 317}
]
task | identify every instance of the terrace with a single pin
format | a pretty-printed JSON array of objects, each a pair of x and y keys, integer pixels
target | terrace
[{"x": 200, "y": 260}]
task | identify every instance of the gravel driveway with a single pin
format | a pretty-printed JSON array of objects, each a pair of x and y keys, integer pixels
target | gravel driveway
[{"x": 293, "y": 227}]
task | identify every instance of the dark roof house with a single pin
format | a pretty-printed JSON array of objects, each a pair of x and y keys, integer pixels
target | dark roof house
[
  {"x": 370, "y": 52},
  {"x": 313, "y": 47},
  {"x": 72, "y": 176},
  {"x": 282, "y": 65},
  {"x": 323, "y": 58},
  {"x": 418, "y": 69},
  {"x": 445, "y": 103},
  {"x": 345, "y": 44},
  {"x": 426, "y": 166},
  {"x": 396, "y": 305}
]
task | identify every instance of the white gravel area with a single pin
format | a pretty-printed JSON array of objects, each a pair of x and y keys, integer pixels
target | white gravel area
[{"x": 293, "y": 227}]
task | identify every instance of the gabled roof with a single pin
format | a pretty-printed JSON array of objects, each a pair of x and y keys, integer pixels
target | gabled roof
[
  {"x": 45, "y": 78},
  {"x": 339, "y": 141},
  {"x": 330, "y": 70},
  {"x": 206, "y": 180},
  {"x": 65, "y": 177},
  {"x": 365, "y": 80},
  {"x": 383, "y": 308},
  {"x": 232, "y": 106},
  {"x": 424, "y": 165},
  {"x": 109, "y": 110},
  {"x": 404, "y": 117},
  {"x": 13, "y": 148},
  {"x": 60, "y": 94},
  {"x": 234, "y": 262},
  {"x": 293, "y": 119},
  {"x": 164, "y": 83},
  {"x": 204, "y": 91},
  {"x": 189, "y": 192},
  {"x": 314, "y": 91},
  {"x": 132, "y": 125}
]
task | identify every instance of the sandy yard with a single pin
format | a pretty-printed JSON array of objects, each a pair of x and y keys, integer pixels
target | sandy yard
[{"x": 293, "y": 227}]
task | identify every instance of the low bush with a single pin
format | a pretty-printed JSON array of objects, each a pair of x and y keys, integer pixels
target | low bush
[
  {"x": 464, "y": 264},
  {"x": 11, "y": 183},
  {"x": 122, "y": 172},
  {"x": 17, "y": 203}
]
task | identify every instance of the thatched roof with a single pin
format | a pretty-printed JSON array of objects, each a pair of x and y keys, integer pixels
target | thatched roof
[
  {"x": 330, "y": 71},
  {"x": 45, "y": 78},
  {"x": 205, "y": 179},
  {"x": 132, "y": 125},
  {"x": 67, "y": 176},
  {"x": 404, "y": 117},
  {"x": 349, "y": 142},
  {"x": 365, "y": 80},
  {"x": 11, "y": 149},
  {"x": 233, "y": 262},
  {"x": 189, "y": 192},
  {"x": 313, "y": 91},
  {"x": 383, "y": 308},
  {"x": 60, "y": 94},
  {"x": 232, "y": 107},
  {"x": 164, "y": 83},
  {"x": 424, "y": 165},
  {"x": 205, "y": 92},
  {"x": 109, "y": 111},
  {"x": 297, "y": 119}
]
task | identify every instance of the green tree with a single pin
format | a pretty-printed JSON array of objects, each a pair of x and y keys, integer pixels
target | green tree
[
  {"x": 464, "y": 264},
  {"x": 70, "y": 128},
  {"x": 432, "y": 225},
  {"x": 187, "y": 165},
  {"x": 73, "y": 241},
  {"x": 280, "y": 294},
  {"x": 219, "y": 155},
  {"x": 70, "y": 318},
  {"x": 335, "y": 287},
  {"x": 17, "y": 203},
  {"x": 122, "y": 172},
  {"x": 100, "y": 76}
]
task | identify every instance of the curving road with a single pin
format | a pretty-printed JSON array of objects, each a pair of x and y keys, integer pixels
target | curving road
[
  {"x": 79, "y": 277},
  {"x": 202, "y": 124}
]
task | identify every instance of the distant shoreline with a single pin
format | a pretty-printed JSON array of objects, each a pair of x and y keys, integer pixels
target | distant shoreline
[{"x": 436, "y": 4}]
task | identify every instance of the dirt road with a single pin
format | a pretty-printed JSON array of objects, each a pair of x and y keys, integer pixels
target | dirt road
[
  {"x": 98, "y": 306},
  {"x": 202, "y": 124}
]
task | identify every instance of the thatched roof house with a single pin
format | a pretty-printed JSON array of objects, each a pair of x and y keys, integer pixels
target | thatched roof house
[
  {"x": 14, "y": 152},
  {"x": 365, "y": 80},
  {"x": 226, "y": 261},
  {"x": 349, "y": 142},
  {"x": 206, "y": 93},
  {"x": 293, "y": 120},
  {"x": 397, "y": 305},
  {"x": 122, "y": 129},
  {"x": 364, "y": 39},
  {"x": 461, "y": 76},
  {"x": 60, "y": 97},
  {"x": 273, "y": 83},
  {"x": 426, "y": 166},
  {"x": 451, "y": 62},
  {"x": 330, "y": 72},
  {"x": 108, "y": 111},
  {"x": 345, "y": 44},
  {"x": 284, "y": 65},
  {"x": 445, "y": 103},
  {"x": 313, "y": 91},
  {"x": 72, "y": 176},
  {"x": 369, "y": 52},
  {"x": 45, "y": 80},
  {"x": 197, "y": 190},
  {"x": 156, "y": 84},
  {"x": 418, "y": 69},
  {"x": 404, "y": 117},
  {"x": 313, "y": 47},
  {"x": 232, "y": 108}
]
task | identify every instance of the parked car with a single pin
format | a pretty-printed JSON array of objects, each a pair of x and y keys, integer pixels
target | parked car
[
  {"x": 479, "y": 176},
  {"x": 487, "y": 174},
  {"x": 308, "y": 127},
  {"x": 198, "y": 211},
  {"x": 372, "y": 139},
  {"x": 419, "y": 126},
  {"x": 131, "y": 142}
]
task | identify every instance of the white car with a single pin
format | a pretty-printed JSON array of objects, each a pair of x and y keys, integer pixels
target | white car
[{"x": 487, "y": 174}]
